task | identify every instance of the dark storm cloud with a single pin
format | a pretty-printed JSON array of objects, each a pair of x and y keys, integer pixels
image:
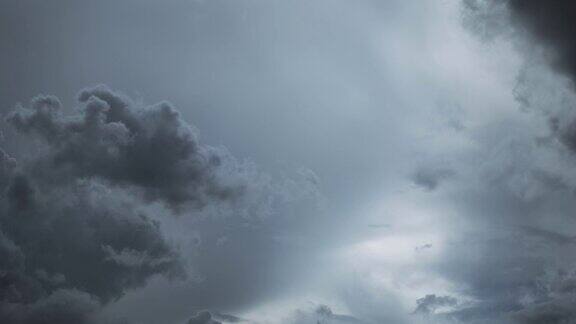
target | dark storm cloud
[
  {"x": 548, "y": 23},
  {"x": 67, "y": 250},
  {"x": 74, "y": 233},
  {"x": 553, "y": 23},
  {"x": 557, "y": 312},
  {"x": 62, "y": 306},
  {"x": 114, "y": 139}
]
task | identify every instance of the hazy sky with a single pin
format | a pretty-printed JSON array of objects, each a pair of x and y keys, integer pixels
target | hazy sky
[{"x": 287, "y": 161}]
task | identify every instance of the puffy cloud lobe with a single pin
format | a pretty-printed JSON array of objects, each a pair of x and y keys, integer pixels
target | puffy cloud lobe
[
  {"x": 114, "y": 139},
  {"x": 75, "y": 241},
  {"x": 73, "y": 232},
  {"x": 74, "y": 213}
]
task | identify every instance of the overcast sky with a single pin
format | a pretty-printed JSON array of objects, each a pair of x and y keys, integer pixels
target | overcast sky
[{"x": 287, "y": 161}]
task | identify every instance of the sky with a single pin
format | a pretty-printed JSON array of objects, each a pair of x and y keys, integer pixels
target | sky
[{"x": 287, "y": 161}]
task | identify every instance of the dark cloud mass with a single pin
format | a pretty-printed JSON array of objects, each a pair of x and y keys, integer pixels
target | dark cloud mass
[
  {"x": 74, "y": 233},
  {"x": 150, "y": 149},
  {"x": 553, "y": 23}
]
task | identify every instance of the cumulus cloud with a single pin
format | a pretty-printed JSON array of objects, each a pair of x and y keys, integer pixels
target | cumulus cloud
[
  {"x": 57, "y": 245},
  {"x": 75, "y": 230},
  {"x": 150, "y": 149}
]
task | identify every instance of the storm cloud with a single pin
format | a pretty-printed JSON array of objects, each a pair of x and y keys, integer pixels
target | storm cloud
[
  {"x": 552, "y": 23},
  {"x": 75, "y": 230},
  {"x": 150, "y": 149}
]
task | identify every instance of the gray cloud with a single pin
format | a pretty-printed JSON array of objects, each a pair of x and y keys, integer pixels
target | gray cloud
[
  {"x": 556, "y": 303},
  {"x": 519, "y": 232},
  {"x": 74, "y": 232},
  {"x": 228, "y": 318},
  {"x": 322, "y": 314},
  {"x": 430, "y": 178},
  {"x": 114, "y": 139},
  {"x": 61, "y": 248},
  {"x": 62, "y": 306},
  {"x": 429, "y": 303},
  {"x": 551, "y": 23},
  {"x": 548, "y": 24},
  {"x": 203, "y": 317}
]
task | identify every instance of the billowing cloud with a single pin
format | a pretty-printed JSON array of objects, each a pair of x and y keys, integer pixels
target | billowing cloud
[
  {"x": 150, "y": 149},
  {"x": 73, "y": 244},
  {"x": 75, "y": 230}
]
